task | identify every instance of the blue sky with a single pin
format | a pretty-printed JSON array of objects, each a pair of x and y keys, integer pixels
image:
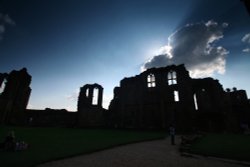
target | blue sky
[{"x": 66, "y": 44}]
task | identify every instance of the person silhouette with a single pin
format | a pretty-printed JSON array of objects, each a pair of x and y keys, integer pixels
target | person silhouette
[
  {"x": 172, "y": 134},
  {"x": 9, "y": 143}
]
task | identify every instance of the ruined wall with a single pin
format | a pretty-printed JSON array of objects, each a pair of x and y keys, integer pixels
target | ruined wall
[
  {"x": 89, "y": 107},
  {"x": 50, "y": 117},
  {"x": 211, "y": 104},
  {"x": 154, "y": 99},
  {"x": 15, "y": 96},
  {"x": 159, "y": 97},
  {"x": 240, "y": 109},
  {"x": 89, "y": 111}
]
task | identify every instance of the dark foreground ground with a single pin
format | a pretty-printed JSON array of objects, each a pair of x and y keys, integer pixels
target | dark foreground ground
[
  {"x": 48, "y": 144},
  {"x": 156, "y": 153}
]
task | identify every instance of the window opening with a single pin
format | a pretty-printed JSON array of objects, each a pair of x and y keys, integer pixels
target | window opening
[
  {"x": 176, "y": 96},
  {"x": 87, "y": 92},
  {"x": 151, "y": 80},
  {"x": 2, "y": 86},
  {"x": 195, "y": 102},
  {"x": 95, "y": 96},
  {"x": 172, "y": 78}
]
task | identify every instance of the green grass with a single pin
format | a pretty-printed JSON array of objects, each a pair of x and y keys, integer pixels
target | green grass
[
  {"x": 232, "y": 146},
  {"x": 48, "y": 144}
]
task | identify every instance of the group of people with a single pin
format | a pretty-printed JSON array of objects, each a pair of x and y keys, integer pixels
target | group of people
[{"x": 10, "y": 143}]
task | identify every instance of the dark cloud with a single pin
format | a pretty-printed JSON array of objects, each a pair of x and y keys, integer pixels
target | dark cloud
[
  {"x": 157, "y": 61},
  {"x": 195, "y": 46},
  {"x": 5, "y": 20}
]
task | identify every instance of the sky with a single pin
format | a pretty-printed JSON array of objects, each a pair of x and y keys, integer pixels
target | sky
[{"x": 69, "y": 43}]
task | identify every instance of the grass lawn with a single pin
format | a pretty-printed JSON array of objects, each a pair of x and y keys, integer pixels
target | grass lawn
[
  {"x": 47, "y": 144},
  {"x": 233, "y": 146}
]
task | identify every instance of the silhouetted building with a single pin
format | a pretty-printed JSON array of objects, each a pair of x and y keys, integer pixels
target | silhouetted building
[
  {"x": 154, "y": 99},
  {"x": 159, "y": 97},
  {"x": 89, "y": 111},
  {"x": 89, "y": 107},
  {"x": 51, "y": 117},
  {"x": 240, "y": 109},
  {"x": 14, "y": 95}
]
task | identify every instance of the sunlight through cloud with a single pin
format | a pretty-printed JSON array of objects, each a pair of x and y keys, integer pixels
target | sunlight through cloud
[{"x": 195, "y": 46}]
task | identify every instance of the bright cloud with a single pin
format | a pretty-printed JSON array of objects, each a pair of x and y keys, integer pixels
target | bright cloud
[
  {"x": 30, "y": 106},
  {"x": 246, "y": 50},
  {"x": 165, "y": 50},
  {"x": 195, "y": 46},
  {"x": 246, "y": 40},
  {"x": 73, "y": 96}
]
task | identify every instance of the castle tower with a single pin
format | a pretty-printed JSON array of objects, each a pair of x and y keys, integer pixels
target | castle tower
[
  {"x": 89, "y": 107},
  {"x": 14, "y": 96}
]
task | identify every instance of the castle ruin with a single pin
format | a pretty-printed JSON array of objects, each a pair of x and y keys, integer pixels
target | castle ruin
[
  {"x": 14, "y": 97},
  {"x": 154, "y": 99},
  {"x": 160, "y": 97}
]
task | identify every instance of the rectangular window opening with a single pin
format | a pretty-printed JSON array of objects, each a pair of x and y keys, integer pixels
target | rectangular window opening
[
  {"x": 176, "y": 96},
  {"x": 2, "y": 87},
  {"x": 195, "y": 102},
  {"x": 87, "y": 93},
  {"x": 95, "y": 97}
]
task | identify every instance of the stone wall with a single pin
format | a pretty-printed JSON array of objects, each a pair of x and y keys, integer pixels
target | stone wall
[
  {"x": 14, "y": 96},
  {"x": 160, "y": 97}
]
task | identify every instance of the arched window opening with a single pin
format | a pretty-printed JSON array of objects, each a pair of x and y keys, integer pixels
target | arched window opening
[
  {"x": 195, "y": 102},
  {"x": 176, "y": 96},
  {"x": 151, "y": 80},
  {"x": 172, "y": 78},
  {"x": 2, "y": 86},
  {"x": 95, "y": 96}
]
